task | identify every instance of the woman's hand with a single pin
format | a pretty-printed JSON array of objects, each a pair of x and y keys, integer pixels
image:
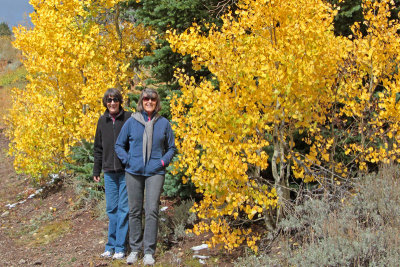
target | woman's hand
[{"x": 96, "y": 178}]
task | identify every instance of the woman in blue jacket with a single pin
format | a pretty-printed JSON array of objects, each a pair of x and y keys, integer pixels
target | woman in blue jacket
[{"x": 145, "y": 146}]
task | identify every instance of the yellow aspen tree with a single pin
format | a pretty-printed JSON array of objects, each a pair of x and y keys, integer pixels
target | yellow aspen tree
[
  {"x": 364, "y": 119},
  {"x": 280, "y": 70},
  {"x": 275, "y": 64},
  {"x": 75, "y": 51},
  {"x": 372, "y": 83}
]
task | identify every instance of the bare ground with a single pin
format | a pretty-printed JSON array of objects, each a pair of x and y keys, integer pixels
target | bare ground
[
  {"x": 44, "y": 231},
  {"x": 47, "y": 231}
]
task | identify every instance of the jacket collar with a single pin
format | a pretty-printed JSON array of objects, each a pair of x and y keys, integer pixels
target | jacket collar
[
  {"x": 146, "y": 116},
  {"x": 108, "y": 116}
]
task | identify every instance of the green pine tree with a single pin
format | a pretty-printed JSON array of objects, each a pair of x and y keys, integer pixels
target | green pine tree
[
  {"x": 5, "y": 29},
  {"x": 163, "y": 15}
]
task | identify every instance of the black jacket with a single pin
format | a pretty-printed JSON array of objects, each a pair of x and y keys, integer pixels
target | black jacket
[{"x": 107, "y": 132}]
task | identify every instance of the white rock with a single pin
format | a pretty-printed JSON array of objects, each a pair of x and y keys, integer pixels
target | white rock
[
  {"x": 164, "y": 208},
  {"x": 200, "y": 257},
  {"x": 200, "y": 247},
  {"x": 10, "y": 206}
]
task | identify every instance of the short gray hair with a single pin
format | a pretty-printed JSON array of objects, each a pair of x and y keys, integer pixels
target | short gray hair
[{"x": 151, "y": 93}]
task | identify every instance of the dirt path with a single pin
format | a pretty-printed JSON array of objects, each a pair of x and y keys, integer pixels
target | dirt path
[{"x": 44, "y": 231}]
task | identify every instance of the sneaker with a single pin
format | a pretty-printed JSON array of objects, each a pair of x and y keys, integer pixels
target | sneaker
[
  {"x": 148, "y": 259},
  {"x": 132, "y": 258},
  {"x": 106, "y": 254},
  {"x": 118, "y": 255}
]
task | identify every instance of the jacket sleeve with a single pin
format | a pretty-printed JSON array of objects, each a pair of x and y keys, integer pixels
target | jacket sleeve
[
  {"x": 98, "y": 151},
  {"x": 122, "y": 143},
  {"x": 170, "y": 146}
]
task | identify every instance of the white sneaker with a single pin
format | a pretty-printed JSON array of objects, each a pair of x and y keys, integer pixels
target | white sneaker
[
  {"x": 132, "y": 258},
  {"x": 118, "y": 256},
  {"x": 148, "y": 259},
  {"x": 106, "y": 254}
]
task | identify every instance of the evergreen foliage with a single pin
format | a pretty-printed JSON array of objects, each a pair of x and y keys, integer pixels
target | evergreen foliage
[
  {"x": 351, "y": 12},
  {"x": 82, "y": 169},
  {"x": 172, "y": 15},
  {"x": 173, "y": 186},
  {"x": 5, "y": 29}
]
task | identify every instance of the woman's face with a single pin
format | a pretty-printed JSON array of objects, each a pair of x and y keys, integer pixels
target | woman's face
[
  {"x": 149, "y": 104},
  {"x": 113, "y": 105}
]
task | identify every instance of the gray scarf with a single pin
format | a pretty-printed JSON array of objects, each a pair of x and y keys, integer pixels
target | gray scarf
[{"x": 147, "y": 134}]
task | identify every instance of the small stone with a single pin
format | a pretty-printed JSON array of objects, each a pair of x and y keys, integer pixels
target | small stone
[
  {"x": 164, "y": 208},
  {"x": 200, "y": 247},
  {"x": 22, "y": 261},
  {"x": 200, "y": 257},
  {"x": 5, "y": 213}
]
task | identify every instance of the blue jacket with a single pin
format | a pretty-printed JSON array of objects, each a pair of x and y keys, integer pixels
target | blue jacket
[{"x": 129, "y": 147}]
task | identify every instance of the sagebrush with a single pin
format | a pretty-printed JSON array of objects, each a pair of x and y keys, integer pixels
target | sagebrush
[{"x": 362, "y": 229}]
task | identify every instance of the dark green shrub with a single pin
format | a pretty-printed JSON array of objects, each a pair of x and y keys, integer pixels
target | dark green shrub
[
  {"x": 174, "y": 187},
  {"x": 5, "y": 29},
  {"x": 88, "y": 191}
]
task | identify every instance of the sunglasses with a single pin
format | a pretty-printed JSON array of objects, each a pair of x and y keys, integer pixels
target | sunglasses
[
  {"x": 146, "y": 98},
  {"x": 110, "y": 100}
]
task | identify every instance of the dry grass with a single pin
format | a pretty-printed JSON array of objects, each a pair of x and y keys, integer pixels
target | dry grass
[
  {"x": 7, "y": 51},
  {"x": 5, "y": 100},
  {"x": 11, "y": 75},
  {"x": 362, "y": 229},
  {"x": 51, "y": 231}
]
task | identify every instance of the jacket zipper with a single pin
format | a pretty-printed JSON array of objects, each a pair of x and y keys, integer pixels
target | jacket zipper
[{"x": 115, "y": 168}]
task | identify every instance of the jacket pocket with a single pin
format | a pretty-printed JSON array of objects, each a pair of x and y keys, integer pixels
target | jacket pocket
[
  {"x": 154, "y": 165},
  {"x": 127, "y": 162},
  {"x": 135, "y": 165}
]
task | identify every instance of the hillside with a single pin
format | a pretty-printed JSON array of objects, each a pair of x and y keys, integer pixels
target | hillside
[{"x": 51, "y": 229}]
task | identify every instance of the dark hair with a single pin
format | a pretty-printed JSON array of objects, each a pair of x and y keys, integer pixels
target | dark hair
[
  {"x": 115, "y": 93},
  {"x": 151, "y": 93}
]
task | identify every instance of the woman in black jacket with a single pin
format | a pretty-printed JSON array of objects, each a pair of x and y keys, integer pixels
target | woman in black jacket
[{"x": 108, "y": 128}]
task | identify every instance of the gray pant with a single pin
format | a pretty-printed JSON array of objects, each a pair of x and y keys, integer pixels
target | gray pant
[{"x": 139, "y": 187}]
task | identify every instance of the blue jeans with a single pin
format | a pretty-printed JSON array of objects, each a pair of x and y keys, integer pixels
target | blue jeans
[
  {"x": 150, "y": 188},
  {"x": 117, "y": 210}
]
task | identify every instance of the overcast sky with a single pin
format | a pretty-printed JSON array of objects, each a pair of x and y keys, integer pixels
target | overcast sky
[{"x": 15, "y": 12}]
